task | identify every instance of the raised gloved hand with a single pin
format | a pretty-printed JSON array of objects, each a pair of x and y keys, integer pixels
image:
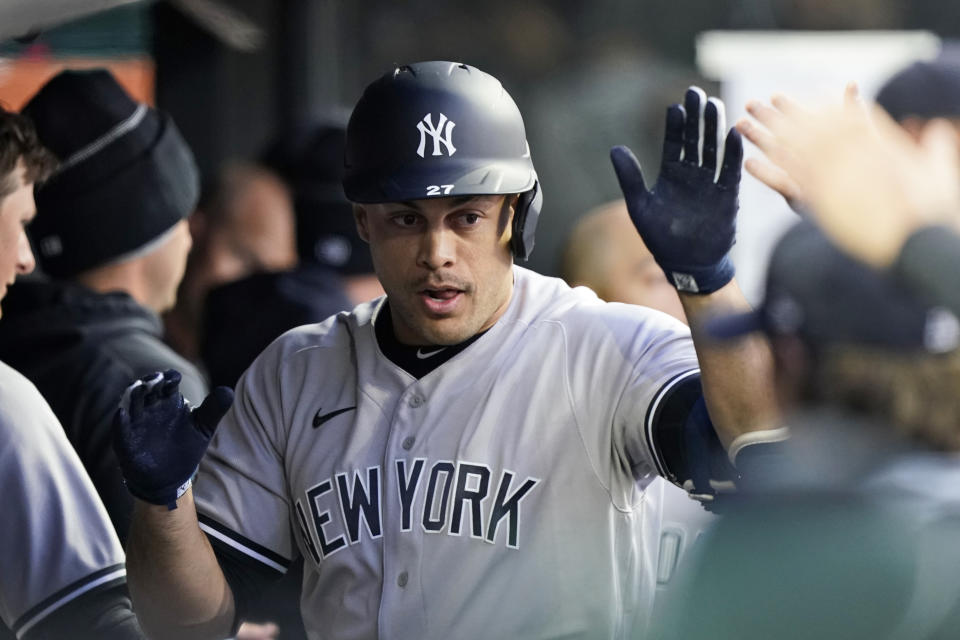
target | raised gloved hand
[
  {"x": 688, "y": 219},
  {"x": 159, "y": 440}
]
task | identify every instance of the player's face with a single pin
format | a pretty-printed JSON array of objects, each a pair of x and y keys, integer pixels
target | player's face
[
  {"x": 16, "y": 211},
  {"x": 445, "y": 264}
]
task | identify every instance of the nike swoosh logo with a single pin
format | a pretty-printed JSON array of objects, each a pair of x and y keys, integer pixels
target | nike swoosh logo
[
  {"x": 424, "y": 356},
  {"x": 320, "y": 419}
]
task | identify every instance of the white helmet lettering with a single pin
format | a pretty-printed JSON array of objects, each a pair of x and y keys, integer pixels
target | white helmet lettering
[{"x": 442, "y": 134}]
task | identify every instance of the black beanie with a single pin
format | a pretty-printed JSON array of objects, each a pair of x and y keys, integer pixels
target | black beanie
[
  {"x": 311, "y": 162},
  {"x": 126, "y": 175},
  {"x": 923, "y": 90}
]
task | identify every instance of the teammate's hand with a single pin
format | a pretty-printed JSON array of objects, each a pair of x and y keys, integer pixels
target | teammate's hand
[
  {"x": 688, "y": 219},
  {"x": 159, "y": 440},
  {"x": 771, "y": 171},
  {"x": 865, "y": 181}
]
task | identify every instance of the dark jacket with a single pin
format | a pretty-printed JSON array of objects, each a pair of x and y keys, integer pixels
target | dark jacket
[
  {"x": 81, "y": 349},
  {"x": 243, "y": 317}
]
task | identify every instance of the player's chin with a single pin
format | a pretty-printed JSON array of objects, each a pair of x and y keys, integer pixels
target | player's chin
[{"x": 447, "y": 331}]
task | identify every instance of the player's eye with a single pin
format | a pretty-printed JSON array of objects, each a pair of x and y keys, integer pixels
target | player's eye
[
  {"x": 406, "y": 220},
  {"x": 470, "y": 219}
]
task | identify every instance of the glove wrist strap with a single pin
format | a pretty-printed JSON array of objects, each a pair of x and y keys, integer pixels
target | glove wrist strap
[
  {"x": 182, "y": 489},
  {"x": 166, "y": 496},
  {"x": 700, "y": 280}
]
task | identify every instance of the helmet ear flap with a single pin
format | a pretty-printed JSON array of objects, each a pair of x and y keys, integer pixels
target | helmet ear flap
[{"x": 525, "y": 222}]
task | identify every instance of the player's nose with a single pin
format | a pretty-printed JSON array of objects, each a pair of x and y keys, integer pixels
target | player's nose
[
  {"x": 437, "y": 248},
  {"x": 25, "y": 259}
]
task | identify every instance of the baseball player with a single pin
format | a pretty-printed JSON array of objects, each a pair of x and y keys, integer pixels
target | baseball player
[
  {"x": 61, "y": 565},
  {"x": 468, "y": 455}
]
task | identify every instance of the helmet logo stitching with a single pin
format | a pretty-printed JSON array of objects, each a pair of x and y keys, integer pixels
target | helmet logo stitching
[{"x": 442, "y": 134}]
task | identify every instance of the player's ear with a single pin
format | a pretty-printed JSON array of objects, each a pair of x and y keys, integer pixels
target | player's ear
[
  {"x": 507, "y": 211},
  {"x": 360, "y": 217}
]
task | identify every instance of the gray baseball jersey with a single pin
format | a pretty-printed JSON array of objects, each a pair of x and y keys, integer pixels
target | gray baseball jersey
[
  {"x": 682, "y": 521},
  {"x": 501, "y": 495},
  {"x": 57, "y": 542}
]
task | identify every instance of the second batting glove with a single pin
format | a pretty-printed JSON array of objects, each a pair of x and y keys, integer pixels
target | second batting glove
[{"x": 688, "y": 219}]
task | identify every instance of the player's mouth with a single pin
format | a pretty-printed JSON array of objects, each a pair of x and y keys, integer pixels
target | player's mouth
[{"x": 440, "y": 301}]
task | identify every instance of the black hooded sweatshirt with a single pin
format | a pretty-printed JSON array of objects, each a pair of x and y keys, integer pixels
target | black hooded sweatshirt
[{"x": 82, "y": 349}]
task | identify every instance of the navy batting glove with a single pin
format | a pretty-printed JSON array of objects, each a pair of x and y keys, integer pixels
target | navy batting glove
[
  {"x": 688, "y": 219},
  {"x": 159, "y": 440}
]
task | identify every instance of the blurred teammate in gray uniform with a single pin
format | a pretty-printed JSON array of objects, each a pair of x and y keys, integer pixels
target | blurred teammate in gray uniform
[
  {"x": 61, "y": 565},
  {"x": 467, "y": 456}
]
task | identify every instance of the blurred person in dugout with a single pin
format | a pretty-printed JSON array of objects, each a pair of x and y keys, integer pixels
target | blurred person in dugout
[
  {"x": 334, "y": 272},
  {"x": 851, "y": 532},
  {"x": 604, "y": 253},
  {"x": 861, "y": 514},
  {"x": 243, "y": 225},
  {"x": 111, "y": 239},
  {"x": 62, "y": 571},
  {"x": 311, "y": 162},
  {"x": 923, "y": 91},
  {"x": 601, "y": 253}
]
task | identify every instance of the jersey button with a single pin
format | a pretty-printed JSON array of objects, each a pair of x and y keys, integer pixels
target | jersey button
[
  {"x": 408, "y": 443},
  {"x": 416, "y": 401},
  {"x": 402, "y": 579}
]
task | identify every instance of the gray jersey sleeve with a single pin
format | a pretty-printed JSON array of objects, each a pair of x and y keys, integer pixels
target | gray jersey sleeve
[
  {"x": 621, "y": 365},
  {"x": 241, "y": 492},
  {"x": 666, "y": 358},
  {"x": 57, "y": 543}
]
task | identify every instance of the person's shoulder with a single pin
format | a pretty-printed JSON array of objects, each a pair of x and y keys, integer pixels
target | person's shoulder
[
  {"x": 539, "y": 297},
  {"x": 141, "y": 352},
  {"x": 14, "y": 387},
  {"x": 20, "y": 401},
  {"x": 581, "y": 312},
  {"x": 338, "y": 333}
]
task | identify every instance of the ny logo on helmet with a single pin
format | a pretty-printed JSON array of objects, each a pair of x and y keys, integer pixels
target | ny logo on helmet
[{"x": 441, "y": 134}]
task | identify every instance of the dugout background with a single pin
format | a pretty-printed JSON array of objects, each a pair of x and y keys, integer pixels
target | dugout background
[{"x": 586, "y": 75}]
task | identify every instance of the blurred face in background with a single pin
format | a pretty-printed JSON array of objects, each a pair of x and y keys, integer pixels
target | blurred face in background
[
  {"x": 605, "y": 252},
  {"x": 253, "y": 232},
  {"x": 17, "y": 209},
  {"x": 246, "y": 227}
]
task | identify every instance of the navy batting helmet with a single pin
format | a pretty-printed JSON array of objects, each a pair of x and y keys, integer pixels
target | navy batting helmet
[{"x": 435, "y": 129}]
